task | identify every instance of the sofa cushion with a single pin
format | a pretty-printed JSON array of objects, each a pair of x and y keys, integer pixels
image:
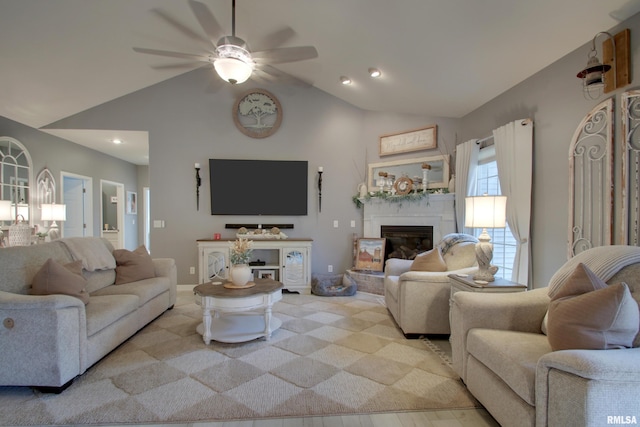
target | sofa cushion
[
  {"x": 612, "y": 320},
  {"x": 104, "y": 310},
  {"x": 133, "y": 266},
  {"x": 55, "y": 278},
  {"x": 631, "y": 276},
  {"x": 511, "y": 355},
  {"x": 18, "y": 264},
  {"x": 429, "y": 261},
  {"x": 459, "y": 256},
  {"x": 145, "y": 289}
]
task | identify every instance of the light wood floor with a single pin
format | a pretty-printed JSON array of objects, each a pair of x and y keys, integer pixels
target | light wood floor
[
  {"x": 456, "y": 418},
  {"x": 442, "y": 418}
]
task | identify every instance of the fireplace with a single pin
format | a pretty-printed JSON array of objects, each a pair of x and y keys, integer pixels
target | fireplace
[
  {"x": 406, "y": 241},
  {"x": 436, "y": 212}
]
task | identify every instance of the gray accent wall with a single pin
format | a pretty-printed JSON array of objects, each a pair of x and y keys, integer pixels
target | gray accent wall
[
  {"x": 553, "y": 99},
  {"x": 188, "y": 123},
  {"x": 60, "y": 155}
]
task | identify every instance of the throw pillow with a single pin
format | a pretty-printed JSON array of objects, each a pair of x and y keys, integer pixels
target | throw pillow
[
  {"x": 133, "y": 266},
  {"x": 429, "y": 261},
  {"x": 55, "y": 278},
  {"x": 585, "y": 313}
]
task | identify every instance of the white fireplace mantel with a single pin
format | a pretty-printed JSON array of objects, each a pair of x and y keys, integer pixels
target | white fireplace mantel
[{"x": 437, "y": 210}]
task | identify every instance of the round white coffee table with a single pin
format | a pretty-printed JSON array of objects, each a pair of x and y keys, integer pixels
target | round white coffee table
[{"x": 238, "y": 314}]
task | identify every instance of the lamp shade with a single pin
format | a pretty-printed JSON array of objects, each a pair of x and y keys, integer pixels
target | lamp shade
[
  {"x": 53, "y": 212},
  {"x": 23, "y": 211},
  {"x": 485, "y": 212},
  {"x": 6, "y": 212}
]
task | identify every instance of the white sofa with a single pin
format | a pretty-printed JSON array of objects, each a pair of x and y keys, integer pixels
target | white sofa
[
  {"x": 48, "y": 340},
  {"x": 501, "y": 353},
  {"x": 419, "y": 300}
]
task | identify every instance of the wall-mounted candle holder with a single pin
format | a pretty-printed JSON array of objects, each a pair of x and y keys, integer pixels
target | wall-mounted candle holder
[
  {"x": 198, "y": 184},
  {"x": 320, "y": 170}
]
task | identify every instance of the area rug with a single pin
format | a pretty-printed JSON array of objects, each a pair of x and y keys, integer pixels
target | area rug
[{"x": 332, "y": 355}]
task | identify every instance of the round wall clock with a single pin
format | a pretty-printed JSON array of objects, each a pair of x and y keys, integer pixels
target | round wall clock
[{"x": 257, "y": 113}]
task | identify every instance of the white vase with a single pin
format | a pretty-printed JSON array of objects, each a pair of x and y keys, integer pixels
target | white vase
[
  {"x": 452, "y": 184},
  {"x": 240, "y": 274}
]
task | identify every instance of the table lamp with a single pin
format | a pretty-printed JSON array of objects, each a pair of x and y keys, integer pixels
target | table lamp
[
  {"x": 485, "y": 212},
  {"x": 5, "y": 215},
  {"x": 52, "y": 212}
]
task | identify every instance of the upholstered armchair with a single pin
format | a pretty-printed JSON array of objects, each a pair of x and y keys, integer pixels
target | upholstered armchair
[
  {"x": 502, "y": 346},
  {"x": 419, "y": 300}
]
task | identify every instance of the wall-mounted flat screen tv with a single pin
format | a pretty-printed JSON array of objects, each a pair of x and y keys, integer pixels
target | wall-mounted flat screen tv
[{"x": 258, "y": 187}]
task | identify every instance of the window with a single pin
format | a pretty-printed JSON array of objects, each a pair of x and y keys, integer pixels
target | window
[{"x": 504, "y": 245}]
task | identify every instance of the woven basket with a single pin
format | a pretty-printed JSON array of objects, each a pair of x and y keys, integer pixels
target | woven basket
[{"x": 19, "y": 233}]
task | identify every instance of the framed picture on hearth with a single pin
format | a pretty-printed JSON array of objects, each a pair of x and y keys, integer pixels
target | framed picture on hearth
[{"x": 370, "y": 254}]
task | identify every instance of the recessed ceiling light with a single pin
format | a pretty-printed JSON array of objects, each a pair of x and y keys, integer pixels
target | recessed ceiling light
[
  {"x": 345, "y": 80},
  {"x": 116, "y": 141},
  {"x": 374, "y": 72}
]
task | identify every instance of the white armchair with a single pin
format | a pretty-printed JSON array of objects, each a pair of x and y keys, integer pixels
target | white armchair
[
  {"x": 501, "y": 353},
  {"x": 419, "y": 300}
]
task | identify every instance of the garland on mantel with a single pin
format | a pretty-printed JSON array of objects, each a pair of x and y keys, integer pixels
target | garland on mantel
[{"x": 396, "y": 198}]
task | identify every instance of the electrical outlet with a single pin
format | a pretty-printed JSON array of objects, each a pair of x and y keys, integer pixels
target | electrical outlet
[
  {"x": 353, "y": 223},
  {"x": 330, "y": 268},
  {"x": 192, "y": 270},
  {"x": 335, "y": 223}
]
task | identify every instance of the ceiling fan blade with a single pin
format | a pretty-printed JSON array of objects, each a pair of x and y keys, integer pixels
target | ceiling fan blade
[
  {"x": 180, "y": 26},
  {"x": 274, "y": 39},
  {"x": 281, "y": 76},
  {"x": 171, "y": 54},
  {"x": 285, "y": 54},
  {"x": 193, "y": 65},
  {"x": 260, "y": 76},
  {"x": 207, "y": 21}
]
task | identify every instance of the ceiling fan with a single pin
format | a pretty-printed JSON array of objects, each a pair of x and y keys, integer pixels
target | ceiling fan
[{"x": 231, "y": 57}]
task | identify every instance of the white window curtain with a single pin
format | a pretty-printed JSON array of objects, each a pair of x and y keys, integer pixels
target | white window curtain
[
  {"x": 466, "y": 164},
  {"x": 514, "y": 154}
]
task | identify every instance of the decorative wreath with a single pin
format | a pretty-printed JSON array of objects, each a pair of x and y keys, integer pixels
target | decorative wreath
[{"x": 403, "y": 185}]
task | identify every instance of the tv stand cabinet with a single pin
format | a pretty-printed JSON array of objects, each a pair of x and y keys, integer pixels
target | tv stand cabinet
[{"x": 285, "y": 260}]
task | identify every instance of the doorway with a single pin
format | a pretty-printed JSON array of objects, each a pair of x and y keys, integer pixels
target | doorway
[
  {"x": 112, "y": 212},
  {"x": 78, "y": 196}
]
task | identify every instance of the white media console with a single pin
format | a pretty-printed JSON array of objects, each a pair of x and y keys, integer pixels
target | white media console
[{"x": 285, "y": 260}]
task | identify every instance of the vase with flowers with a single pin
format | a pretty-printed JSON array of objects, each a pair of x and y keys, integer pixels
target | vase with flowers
[{"x": 240, "y": 273}]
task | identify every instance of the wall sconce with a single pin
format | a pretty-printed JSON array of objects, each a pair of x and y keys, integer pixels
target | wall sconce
[
  {"x": 613, "y": 72},
  {"x": 320, "y": 170},
  {"x": 485, "y": 212},
  {"x": 198, "y": 184}
]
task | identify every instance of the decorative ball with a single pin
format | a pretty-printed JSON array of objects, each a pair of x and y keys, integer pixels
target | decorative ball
[
  {"x": 242, "y": 230},
  {"x": 257, "y": 231},
  {"x": 275, "y": 230}
]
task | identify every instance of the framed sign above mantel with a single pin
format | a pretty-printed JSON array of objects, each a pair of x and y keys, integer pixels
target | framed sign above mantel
[{"x": 413, "y": 140}]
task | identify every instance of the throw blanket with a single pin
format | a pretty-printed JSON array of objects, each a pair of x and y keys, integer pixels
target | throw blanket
[
  {"x": 604, "y": 261},
  {"x": 92, "y": 251},
  {"x": 453, "y": 239}
]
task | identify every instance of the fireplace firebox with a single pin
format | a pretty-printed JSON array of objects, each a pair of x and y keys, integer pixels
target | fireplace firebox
[{"x": 406, "y": 241}]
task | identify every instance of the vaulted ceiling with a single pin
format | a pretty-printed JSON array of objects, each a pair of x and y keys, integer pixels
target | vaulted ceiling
[{"x": 438, "y": 58}]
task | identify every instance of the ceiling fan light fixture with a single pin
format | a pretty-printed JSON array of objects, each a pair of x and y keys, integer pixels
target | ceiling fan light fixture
[
  {"x": 234, "y": 63},
  {"x": 345, "y": 80},
  {"x": 232, "y": 70}
]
